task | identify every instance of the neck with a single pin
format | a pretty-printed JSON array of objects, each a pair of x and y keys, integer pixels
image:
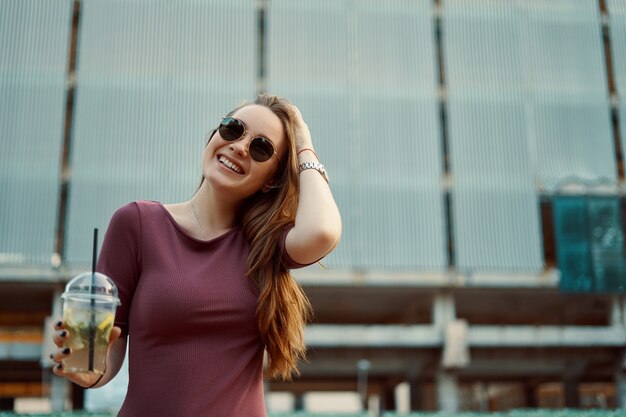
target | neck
[{"x": 214, "y": 214}]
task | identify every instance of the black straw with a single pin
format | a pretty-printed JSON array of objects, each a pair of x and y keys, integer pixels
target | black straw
[
  {"x": 95, "y": 251},
  {"x": 92, "y": 322}
]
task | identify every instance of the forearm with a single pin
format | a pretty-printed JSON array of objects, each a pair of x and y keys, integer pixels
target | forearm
[{"x": 318, "y": 222}]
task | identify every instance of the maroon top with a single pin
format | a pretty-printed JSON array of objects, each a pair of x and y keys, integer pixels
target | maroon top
[{"x": 194, "y": 346}]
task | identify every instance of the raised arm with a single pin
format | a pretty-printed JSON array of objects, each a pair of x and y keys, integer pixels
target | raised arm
[{"x": 318, "y": 224}]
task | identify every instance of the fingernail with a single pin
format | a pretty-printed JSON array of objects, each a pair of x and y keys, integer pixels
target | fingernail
[
  {"x": 63, "y": 333},
  {"x": 58, "y": 323},
  {"x": 66, "y": 351},
  {"x": 51, "y": 357},
  {"x": 60, "y": 366}
]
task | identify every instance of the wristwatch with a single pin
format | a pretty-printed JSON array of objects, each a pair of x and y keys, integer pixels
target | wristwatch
[{"x": 313, "y": 165}]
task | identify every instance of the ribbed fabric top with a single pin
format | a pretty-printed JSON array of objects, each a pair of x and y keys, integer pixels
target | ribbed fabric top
[{"x": 189, "y": 310}]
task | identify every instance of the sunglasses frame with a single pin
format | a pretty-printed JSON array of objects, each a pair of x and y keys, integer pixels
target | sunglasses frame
[{"x": 243, "y": 134}]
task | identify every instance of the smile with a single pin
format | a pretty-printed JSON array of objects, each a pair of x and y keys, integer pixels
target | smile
[{"x": 230, "y": 164}]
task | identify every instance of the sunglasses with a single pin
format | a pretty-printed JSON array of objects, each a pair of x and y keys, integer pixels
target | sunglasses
[{"x": 259, "y": 148}]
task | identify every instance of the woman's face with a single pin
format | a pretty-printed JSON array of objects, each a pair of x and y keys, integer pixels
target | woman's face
[{"x": 228, "y": 167}]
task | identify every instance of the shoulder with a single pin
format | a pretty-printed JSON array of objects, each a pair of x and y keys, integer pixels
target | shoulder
[
  {"x": 131, "y": 213},
  {"x": 125, "y": 217},
  {"x": 136, "y": 209}
]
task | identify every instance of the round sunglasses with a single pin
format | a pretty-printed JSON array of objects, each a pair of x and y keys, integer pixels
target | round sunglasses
[{"x": 260, "y": 149}]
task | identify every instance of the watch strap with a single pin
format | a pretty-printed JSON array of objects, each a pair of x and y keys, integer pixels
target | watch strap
[{"x": 313, "y": 165}]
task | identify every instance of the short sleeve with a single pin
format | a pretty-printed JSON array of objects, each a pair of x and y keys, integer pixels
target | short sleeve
[
  {"x": 287, "y": 261},
  {"x": 120, "y": 259}
]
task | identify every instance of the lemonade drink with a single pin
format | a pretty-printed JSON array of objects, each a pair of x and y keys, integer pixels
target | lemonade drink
[
  {"x": 77, "y": 319},
  {"x": 89, "y": 304}
]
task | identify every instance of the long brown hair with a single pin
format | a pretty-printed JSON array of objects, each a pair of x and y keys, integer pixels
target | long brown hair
[{"x": 282, "y": 308}]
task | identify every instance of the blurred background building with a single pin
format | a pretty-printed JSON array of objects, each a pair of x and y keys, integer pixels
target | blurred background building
[{"x": 475, "y": 148}]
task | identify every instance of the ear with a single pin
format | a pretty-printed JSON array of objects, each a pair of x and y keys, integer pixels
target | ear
[{"x": 268, "y": 186}]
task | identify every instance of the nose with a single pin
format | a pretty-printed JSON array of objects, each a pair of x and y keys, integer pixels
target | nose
[{"x": 240, "y": 146}]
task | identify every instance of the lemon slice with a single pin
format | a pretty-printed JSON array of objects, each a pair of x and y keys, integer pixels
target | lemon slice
[{"x": 108, "y": 320}]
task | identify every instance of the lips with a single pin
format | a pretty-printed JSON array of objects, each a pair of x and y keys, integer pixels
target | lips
[{"x": 230, "y": 164}]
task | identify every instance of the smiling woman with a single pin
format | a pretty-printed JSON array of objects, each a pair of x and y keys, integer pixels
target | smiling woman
[
  {"x": 205, "y": 285},
  {"x": 245, "y": 144}
]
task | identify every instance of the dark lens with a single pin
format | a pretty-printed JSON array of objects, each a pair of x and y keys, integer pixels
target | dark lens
[
  {"x": 261, "y": 149},
  {"x": 231, "y": 129}
]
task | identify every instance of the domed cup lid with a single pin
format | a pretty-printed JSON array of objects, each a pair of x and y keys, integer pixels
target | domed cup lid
[{"x": 88, "y": 286}]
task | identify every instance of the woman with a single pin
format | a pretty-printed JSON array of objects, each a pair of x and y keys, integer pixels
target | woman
[{"x": 204, "y": 284}]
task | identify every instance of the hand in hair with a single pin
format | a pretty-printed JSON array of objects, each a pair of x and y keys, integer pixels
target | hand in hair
[{"x": 303, "y": 136}]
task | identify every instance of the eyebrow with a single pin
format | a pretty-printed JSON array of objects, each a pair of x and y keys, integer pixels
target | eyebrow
[{"x": 245, "y": 126}]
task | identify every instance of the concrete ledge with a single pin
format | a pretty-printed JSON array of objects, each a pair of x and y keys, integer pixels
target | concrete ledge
[
  {"x": 428, "y": 336},
  {"x": 314, "y": 276},
  {"x": 570, "y": 336},
  {"x": 31, "y": 274},
  {"x": 373, "y": 336}
]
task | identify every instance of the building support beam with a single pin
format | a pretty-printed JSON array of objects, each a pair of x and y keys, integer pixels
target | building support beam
[
  {"x": 415, "y": 391},
  {"x": 571, "y": 379},
  {"x": 59, "y": 391},
  {"x": 7, "y": 404},
  {"x": 530, "y": 392},
  {"x": 298, "y": 402},
  {"x": 447, "y": 392},
  {"x": 444, "y": 310},
  {"x": 572, "y": 398},
  {"x": 620, "y": 383},
  {"x": 620, "y": 389},
  {"x": 388, "y": 399},
  {"x": 59, "y": 387},
  {"x": 415, "y": 396},
  {"x": 78, "y": 397}
]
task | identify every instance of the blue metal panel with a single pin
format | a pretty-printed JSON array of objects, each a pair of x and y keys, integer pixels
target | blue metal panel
[
  {"x": 154, "y": 77},
  {"x": 34, "y": 39},
  {"x": 590, "y": 244},
  {"x": 311, "y": 67},
  {"x": 571, "y": 226},
  {"x": 398, "y": 138},
  {"x": 367, "y": 87},
  {"x": 549, "y": 53},
  {"x": 569, "y": 116},
  {"x": 617, "y": 27},
  {"x": 481, "y": 41},
  {"x": 607, "y": 244},
  {"x": 400, "y": 201},
  {"x": 494, "y": 202}
]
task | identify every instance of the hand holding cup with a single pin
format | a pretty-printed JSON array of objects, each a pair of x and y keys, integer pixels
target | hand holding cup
[{"x": 61, "y": 339}]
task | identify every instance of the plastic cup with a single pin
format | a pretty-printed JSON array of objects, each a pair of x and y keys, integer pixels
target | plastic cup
[{"x": 89, "y": 304}]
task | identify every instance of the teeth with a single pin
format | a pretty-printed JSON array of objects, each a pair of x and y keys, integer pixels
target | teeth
[{"x": 230, "y": 165}]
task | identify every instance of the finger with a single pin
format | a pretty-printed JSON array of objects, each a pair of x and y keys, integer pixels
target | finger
[
  {"x": 60, "y": 337},
  {"x": 297, "y": 113},
  {"x": 58, "y": 369},
  {"x": 60, "y": 354}
]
